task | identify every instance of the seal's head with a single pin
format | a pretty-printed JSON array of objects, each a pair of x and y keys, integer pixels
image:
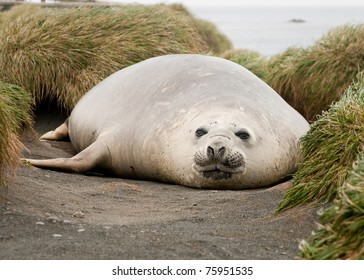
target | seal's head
[{"x": 219, "y": 150}]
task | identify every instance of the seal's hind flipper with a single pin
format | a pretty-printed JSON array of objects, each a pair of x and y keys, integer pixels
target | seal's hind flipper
[
  {"x": 97, "y": 154},
  {"x": 57, "y": 134}
]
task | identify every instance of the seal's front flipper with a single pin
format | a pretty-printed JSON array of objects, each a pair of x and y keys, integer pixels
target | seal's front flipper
[
  {"x": 97, "y": 154},
  {"x": 57, "y": 134}
]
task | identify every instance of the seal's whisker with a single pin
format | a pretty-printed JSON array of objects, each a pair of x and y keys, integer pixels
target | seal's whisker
[
  {"x": 188, "y": 156},
  {"x": 251, "y": 160}
]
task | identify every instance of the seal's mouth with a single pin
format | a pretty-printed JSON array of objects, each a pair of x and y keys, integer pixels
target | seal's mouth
[
  {"x": 217, "y": 174},
  {"x": 217, "y": 171}
]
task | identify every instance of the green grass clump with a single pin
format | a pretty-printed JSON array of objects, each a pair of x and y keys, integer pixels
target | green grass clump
[
  {"x": 251, "y": 60},
  {"x": 283, "y": 75},
  {"x": 61, "y": 53},
  {"x": 17, "y": 11},
  {"x": 341, "y": 232},
  {"x": 329, "y": 150},
  {"x": 15, "y": 107},
  {"x": 311, "y": 79},
  {"x": 216, "y": 41}
]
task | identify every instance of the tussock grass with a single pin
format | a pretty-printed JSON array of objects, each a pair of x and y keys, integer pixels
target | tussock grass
[
  {"x": 251, "y": 60},
  {"x": 311, "y": 79},
  {"x": 59, "y": 54},
  {"x": 341, "y": 232},
  {"x": 329, "y": 150},
  {"x": 17, "y": 11},
  {"x": 216, "y": 41},
  {"x": 284, "y": 78},
  {"x": 15, "y": 106}
]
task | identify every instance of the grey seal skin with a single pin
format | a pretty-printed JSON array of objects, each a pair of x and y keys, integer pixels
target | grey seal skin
[{"x": 193, "y": 120}]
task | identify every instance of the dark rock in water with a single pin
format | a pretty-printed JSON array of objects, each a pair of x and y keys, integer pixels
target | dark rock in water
[{"x": 297, "y": 20}]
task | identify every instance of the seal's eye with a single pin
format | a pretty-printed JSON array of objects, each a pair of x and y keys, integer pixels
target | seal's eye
[
  {"x": 242, "y": 134},
  {"x": 200, "y": 132}
]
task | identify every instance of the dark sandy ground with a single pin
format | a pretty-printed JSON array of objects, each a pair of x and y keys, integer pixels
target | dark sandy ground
[{"x": 124, "y": 219}]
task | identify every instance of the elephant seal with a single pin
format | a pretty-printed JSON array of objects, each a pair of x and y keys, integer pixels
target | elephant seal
[{"x": 193, "y": 120}]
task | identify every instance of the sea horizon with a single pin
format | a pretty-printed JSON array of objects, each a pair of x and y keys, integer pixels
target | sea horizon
[{"x": 270, "y": 30}]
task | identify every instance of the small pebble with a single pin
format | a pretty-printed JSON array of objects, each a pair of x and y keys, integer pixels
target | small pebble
[
  {"x": 66, "y": 221},
  {"x": 57, "y": 235},
  {"x": 79, "y": 214},
  {"x": 81, "y": 230},
  {"x": 53, "y": 219},
  {"x": 107, "y": 227},
  {"x": 195, "y": 204},
  {"x": 39, "y": 223}
]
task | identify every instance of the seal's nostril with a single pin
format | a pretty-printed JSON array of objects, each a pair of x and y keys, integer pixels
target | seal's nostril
[
  {"x": 221, "y": 151},
  {"x": 210, "y": 152}
]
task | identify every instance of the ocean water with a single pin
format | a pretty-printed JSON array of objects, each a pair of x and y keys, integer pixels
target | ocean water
[{"x": 269, "y": 30}]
